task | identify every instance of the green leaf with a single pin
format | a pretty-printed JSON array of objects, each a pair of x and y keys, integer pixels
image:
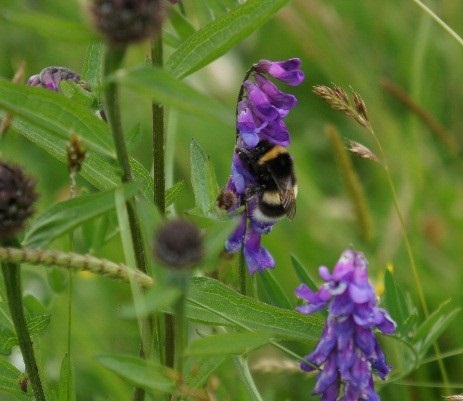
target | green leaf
[
  {"x": 181, "y": 25},
  {"x": 66, "y": 390},
  {"x": 50, "y": 27},
  {"x": 174, "y": 192},
  {"x": 76, "y": 93},
  {"x": 162, "y": 87},
  {"x": 220, "y": 36},
  {"x": 228, "y": 343},
  {"x": 133, "y": 137},
  {"x": 273, "y": 291},
  {"x": 8, "y": 339},
  {"x": 156, "y": 299},
  {"x": 203, "y": 179},
  {"x": 200, "y": 369},
  {"x": 10, "y": 381},
  {"x": 302, "y": 274},
  {"x": 91, "y": 69},
  {"x": 211, "y": 302},
  {"x": 38, "y": 324},
  {"x": 139, "y": 372},
  {"x": 433, "y": 327},
  {"x": 56, "y": 114},
  {"x": 65, "y": 216}
]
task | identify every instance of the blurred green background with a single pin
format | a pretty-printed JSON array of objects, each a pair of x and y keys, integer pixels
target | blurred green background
[{"x": 354, "y": 44}]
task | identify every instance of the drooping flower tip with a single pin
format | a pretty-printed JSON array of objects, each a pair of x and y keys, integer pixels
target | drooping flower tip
[
  {"x": 348, "y": 351},
  {"x": 287, "y": 71},
  {"x": 17, "y": 199},
  {"x": 122, "y": 22},
  {"x": 178, "y": 244},
  {"x": 50, "y": 77}
]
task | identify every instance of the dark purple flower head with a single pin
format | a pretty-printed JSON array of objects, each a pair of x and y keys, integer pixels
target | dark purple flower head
[
  {"x": 260, "y": 111},
  {"x": 287, "y": 71},
  {"x": 348, "y": 351},
  {"x": 50, "y": 77}
]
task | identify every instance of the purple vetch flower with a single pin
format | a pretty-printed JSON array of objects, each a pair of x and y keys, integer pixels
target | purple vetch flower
[
  {"x": 287, "y": 71},
  {"x": 348, "y": 351},
  {"x": 50, "y": 77},
  {"x": 264, "y": 195}
]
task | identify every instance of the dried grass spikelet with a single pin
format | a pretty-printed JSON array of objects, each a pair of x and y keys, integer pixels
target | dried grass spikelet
[
  {"x": 361, "y": 150},
  {"x": 338, "y": 99}
]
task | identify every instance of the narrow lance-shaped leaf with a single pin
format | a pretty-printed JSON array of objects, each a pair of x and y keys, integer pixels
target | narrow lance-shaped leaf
[
  {"x": 212, "y": 302},
  {"x": 228, "y": 343},
  {"x": 48, "y": 26},
  {"x": 64, "y": 216},
  {"x": 203, "y": 179},
  {"x": 162, "y": 87},
  {"x": 220, "y": 36},
  {"x": 56, "y": 114},
  {"x": 434, "y": 326},
  {"x": 139, "y": 372}
]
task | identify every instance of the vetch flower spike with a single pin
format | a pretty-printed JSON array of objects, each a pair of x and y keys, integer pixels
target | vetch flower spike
[
  {"x": 348, "y": 352},
  {"x": 262, "y": 180}
]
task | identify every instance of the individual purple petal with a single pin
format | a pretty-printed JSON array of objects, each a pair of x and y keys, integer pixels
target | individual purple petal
[
  {"x": 259, "y": 103},
  {"x": 242, "y": 177},
  {"x": 284, "y": 102},
  {"x": 236, "y": 238},
  {"x": 276, "y": 132},
  {"x": 287, "y": 71},
  {"x": 387, "y": 325},
  {"x": 247, "y": 125},
  {"x": 257, "y": 258},
  {"x": 327, "y": 376},
  {"x": 34, "y": 80}
]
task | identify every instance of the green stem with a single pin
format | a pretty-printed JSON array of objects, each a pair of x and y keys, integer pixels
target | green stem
[
  {"x": 159, "y": 173},
  {"x": 411, "y": 257},
  {"x": 12, "y": 277},
  {"x": 112, "y": 62},
  {"x": 436, "y": 18}
]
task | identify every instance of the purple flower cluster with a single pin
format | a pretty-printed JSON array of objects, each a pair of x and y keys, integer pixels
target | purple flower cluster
[
  {"x": 50, "y": 77},
  {"x": 261, "y": 109},
  {"x": 348, "y": 348}
]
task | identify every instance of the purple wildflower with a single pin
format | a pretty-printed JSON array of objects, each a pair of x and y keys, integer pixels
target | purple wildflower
[
  {"x": 50, "y": 77},
  {"x": 287, "y": 71},
  {"x": 348, "y": 348},
  {"x": 260, "y": 111}
]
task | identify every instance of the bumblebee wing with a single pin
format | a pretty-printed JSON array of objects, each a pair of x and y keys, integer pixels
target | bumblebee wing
[
  {"x": 288, "y": 198},
  {"x": 287, "y": 190}
]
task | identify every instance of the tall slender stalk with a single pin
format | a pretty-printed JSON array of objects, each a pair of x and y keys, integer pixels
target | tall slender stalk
[
  {"x": 12, "y": 277},
  {"x": 113, "y": 60}
]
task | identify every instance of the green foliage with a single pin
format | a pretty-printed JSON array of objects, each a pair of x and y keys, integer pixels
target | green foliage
[{"x": 396, "y": 64}]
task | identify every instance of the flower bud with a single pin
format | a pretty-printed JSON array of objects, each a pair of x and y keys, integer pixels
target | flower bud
[
  {"x": 122, "y": 22},
  {"x": 17, "y": 198},
  {"x": 178, "y": 244}
]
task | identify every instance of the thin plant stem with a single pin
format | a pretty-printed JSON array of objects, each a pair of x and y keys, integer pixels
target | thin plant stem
[
  {"x": 159, "y": 173},
  {"x": 440, "y": 22},
  {"x": 12, "y": 277},
  {"x": 159, "y": 196},
  {"x": 411, "y": 257},
  {"x": 113, "y": 60}
]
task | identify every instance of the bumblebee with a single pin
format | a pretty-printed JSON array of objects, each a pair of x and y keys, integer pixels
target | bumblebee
[{"x": 275, "y": 186}]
